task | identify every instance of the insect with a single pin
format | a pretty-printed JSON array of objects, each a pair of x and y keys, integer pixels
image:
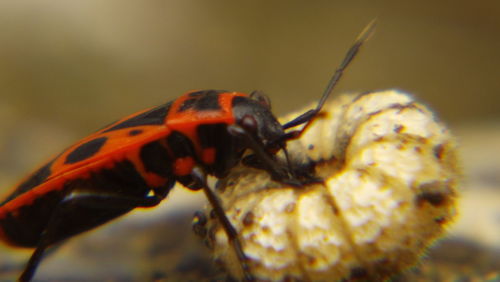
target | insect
[{"x": 135, "y": 161}]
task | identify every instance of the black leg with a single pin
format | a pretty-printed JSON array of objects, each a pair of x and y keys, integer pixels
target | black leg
[
  {"x": 232, "y": 235},
  {"x": 278, "y": 171},
  {"x": 71, "y": 205},
  {"x": 35, "y": 259}
]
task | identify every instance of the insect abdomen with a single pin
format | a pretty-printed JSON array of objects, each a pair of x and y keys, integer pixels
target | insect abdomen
[{"x": 23, "y": 219}]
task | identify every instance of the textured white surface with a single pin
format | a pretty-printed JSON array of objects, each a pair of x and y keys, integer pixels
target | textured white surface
[{"x": 390, "y": 173}]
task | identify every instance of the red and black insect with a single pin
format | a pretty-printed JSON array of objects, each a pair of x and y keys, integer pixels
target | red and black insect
[{"x": 135, "y": 161}]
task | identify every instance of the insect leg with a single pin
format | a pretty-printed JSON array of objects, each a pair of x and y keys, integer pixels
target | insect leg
[
  {"x": 35, "y": 259},
  {"x": 200, "y": 176},
  {"x": 278, "y": 172}
]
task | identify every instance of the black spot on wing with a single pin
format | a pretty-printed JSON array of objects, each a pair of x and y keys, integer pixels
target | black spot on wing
[
  {"x": 155, "y": 116},
  {"x": 208, "y": 102},
  {"x": 86, "y": 150},
  {"x": 134, "y": 132},
  {"x": 205, "y": 92},
  {"x": 186, "y": 105},
  {"x": 156, "y": 159},
  {"x": 205, "y": 100},
  {"x": 197, "y": 93},
  {"x": 34, "y": 180}
]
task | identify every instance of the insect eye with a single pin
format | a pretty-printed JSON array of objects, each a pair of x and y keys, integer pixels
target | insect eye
[
  {"x": 249, "y": 123},
  {"x": 262, "y": 98}
]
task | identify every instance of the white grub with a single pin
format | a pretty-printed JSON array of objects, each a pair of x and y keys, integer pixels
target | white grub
[{"x": 391, "y": 173}]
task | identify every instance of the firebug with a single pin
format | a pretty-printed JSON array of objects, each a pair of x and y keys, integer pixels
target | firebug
[{"x": 135, "y": 161}]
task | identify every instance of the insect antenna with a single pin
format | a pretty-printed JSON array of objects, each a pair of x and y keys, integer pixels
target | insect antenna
[{"x": 308, "y": 116}]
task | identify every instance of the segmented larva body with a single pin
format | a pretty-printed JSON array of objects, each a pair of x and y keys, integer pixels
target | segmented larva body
[{"x": 390, "y": 171}]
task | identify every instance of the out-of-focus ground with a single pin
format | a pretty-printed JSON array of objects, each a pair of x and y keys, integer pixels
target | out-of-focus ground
[{"x": 68, "y": 68}]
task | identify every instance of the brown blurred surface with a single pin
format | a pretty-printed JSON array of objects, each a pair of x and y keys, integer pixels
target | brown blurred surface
[
  {"x": 68, "y": 68},
  {"x": 65, "y": 62}
]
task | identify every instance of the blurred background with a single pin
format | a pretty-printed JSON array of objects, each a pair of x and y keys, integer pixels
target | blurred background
[{"x": 68, "y": 68}]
